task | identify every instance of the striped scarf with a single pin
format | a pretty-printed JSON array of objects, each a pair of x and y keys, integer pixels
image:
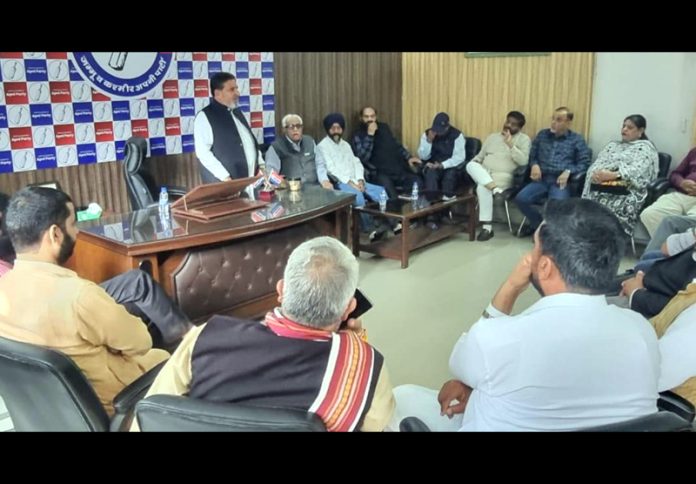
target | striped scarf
[{"x": 343, "y": 396}]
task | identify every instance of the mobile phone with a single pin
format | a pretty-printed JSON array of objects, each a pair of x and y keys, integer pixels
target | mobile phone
[{"x": 362, "y": 306}]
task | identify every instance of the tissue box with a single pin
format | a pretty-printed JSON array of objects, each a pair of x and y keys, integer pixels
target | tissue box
[
  {"x": 93, "y": 212},
  {"x": 87, "y": 215}
]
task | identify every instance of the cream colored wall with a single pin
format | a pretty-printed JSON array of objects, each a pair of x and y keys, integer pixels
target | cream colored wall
[
  {"x": 478, "y": 92},
  {"x": 658, "y": 85}
]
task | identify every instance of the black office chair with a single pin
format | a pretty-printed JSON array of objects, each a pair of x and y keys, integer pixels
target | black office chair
[
  {"x": 171, "y": 413},
  {"x": 662, "y": 421},
  {"x": 143, "y": 192},
  {"x": 669, "y": 403},
  {"x": 44, "y": 390}
]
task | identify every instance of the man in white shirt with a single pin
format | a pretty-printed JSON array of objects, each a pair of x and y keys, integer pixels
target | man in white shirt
[
  {"x": 570, "y": 361},
  {"x": 334, "y": 152},
  {"x": 225, "y": 146},
  {"x": 492, "y": 168}
]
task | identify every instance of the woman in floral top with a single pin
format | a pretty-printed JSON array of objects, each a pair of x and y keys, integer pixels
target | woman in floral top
[{"x": 632, "y": 163}]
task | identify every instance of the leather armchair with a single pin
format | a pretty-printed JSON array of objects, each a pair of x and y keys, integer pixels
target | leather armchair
[
  {"x": 662, "y": 421},
  {"x": 675, "y": 414},
  {"x": 44, "y": 390},
  {"x": 173, "y": 413},
  {"x": 661, "y": 184},
  {"x": 657, "y": 422},
  {"x": 143, "y": 192}
]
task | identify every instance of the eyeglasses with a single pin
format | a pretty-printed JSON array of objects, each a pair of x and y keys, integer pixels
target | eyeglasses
[{"x": 293, "y": 126}]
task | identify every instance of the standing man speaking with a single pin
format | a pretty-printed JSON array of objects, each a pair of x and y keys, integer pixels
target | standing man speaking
[{"x": 224, "y": 143}]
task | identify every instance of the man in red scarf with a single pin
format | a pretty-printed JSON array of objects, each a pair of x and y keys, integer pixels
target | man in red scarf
[{"x": 298, "y": 356}]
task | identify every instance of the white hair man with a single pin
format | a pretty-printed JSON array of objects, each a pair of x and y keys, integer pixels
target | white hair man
[
  {"x": 307, "y": 358},
  {"x": 293, "y": 155}
]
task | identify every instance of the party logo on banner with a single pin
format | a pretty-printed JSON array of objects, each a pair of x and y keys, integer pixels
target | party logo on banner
[{"x": 123, "y": 75}]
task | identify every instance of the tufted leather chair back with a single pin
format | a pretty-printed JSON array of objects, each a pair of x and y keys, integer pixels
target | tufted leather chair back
[{"x": 217, "y": 278}]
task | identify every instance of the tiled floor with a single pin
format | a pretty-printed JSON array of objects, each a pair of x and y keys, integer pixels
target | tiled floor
[{"x": 420, "y": 312}]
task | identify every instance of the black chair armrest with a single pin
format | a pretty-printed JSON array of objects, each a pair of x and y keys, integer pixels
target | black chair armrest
[
  {"x": 184, "y": 414},
  {"x": 674, "y": 403},
  {"x": 656, "y": 422},
  {"x": 413, "y": 424},
  {"x": 124, "y": 402},
  {"x": 129, "y": 396},
  {"x": 659, "y": 184},
  {"x": 577, "y": 183},
  {"x": 520, "y": 175},
  {"x": 656, "y": 189}
]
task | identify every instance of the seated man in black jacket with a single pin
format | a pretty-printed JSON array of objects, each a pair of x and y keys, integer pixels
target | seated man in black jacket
[
  {"x": 649, "y": 292},
  {"x": 379, "y": 150}
]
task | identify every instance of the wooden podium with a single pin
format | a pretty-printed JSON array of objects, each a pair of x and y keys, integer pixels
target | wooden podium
[{"x": 214, "y": 200}]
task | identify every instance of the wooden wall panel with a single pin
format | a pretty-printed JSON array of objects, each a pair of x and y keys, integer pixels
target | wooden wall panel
[
  {"x": 313, "y": 84},
  {"x": 478, "y": 92},
  {"x": 98, "y": 182}
]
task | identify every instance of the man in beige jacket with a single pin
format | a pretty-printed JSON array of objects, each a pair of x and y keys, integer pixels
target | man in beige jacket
[
  {"x": 492, "y": 168},
  {"x": 45, "y": 304}
]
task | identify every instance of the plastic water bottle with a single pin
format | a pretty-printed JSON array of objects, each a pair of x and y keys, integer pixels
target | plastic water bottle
[
  {"x": 383, "y": 201},
  {"x": 164, "y": 203},
  {"x": 414, "y": 193}
]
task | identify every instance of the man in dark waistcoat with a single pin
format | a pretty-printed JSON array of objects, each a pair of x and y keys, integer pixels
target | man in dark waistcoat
[
  {"x": 293, "y": 156},
  {"x": 225, "y": 146}
]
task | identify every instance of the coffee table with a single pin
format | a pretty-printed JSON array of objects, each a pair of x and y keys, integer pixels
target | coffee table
[{"x": 410, "y": 239}]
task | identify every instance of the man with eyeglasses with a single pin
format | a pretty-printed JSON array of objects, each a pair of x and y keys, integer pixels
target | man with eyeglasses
[
  {"x": 293, "y": 155},
  {"x": 225, "y": 146}
]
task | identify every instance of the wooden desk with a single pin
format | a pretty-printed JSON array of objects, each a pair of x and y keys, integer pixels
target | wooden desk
[{"x": 227, "y": 266}]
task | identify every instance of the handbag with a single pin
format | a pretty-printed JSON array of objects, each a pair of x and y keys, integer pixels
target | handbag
[{"x": 617, "y": 187}]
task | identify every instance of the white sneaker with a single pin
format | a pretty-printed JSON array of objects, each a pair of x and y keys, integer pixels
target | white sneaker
[
  {"x": 397, "y": 228},
  {"x": 445, "y": 198}
]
